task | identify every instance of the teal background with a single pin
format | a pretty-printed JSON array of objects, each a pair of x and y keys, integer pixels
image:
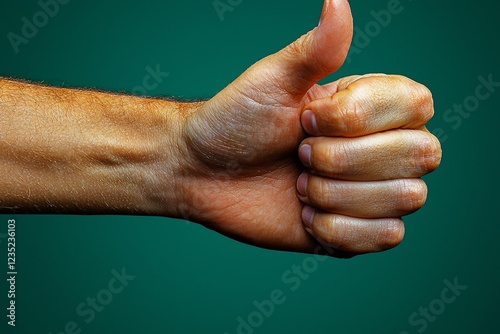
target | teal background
[{"x": 191, "y": 280}]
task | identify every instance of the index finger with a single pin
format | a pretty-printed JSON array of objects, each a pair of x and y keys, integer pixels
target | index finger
[{"x": 368, "y": 105}]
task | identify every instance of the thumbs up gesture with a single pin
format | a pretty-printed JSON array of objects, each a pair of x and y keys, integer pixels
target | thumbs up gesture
[{"x": 280, "y": 162}]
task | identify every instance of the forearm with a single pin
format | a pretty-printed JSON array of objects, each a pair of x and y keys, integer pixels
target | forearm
[{"x": 76, "y": 151}]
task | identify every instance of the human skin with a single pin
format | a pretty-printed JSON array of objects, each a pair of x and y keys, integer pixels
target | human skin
[{"x": 239, "y": 163}]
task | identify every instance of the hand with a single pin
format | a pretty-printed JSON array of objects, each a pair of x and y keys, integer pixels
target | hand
[{"x": 240, "y": 150}]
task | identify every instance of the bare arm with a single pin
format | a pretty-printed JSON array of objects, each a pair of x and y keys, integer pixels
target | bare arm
[{"x": 77, "y": 151}]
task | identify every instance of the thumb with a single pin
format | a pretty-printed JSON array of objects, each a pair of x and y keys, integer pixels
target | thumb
[
  {"x": 248, "y": 114},
  {"x": 319, "y": 53}
]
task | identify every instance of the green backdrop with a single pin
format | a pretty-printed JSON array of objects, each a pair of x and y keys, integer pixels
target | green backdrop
[{"x": 191, "y": 280}]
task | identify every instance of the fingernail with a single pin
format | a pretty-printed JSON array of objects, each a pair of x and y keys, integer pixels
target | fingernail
[
  {"x": 309, "y": 122},
  {"x": 307, "y": 216},
  {"x": 302, "y": 184},
  {"x": 305, "y": 155}
]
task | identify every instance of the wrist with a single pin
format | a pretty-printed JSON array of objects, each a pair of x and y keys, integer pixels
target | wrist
[{"x": 173, "y": 170}]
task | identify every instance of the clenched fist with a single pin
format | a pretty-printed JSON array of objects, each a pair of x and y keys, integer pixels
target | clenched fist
[{"x": 368, "y": 149}]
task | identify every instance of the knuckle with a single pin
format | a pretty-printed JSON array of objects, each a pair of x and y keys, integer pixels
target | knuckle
[
  {"x": 330, "y": 158},
  {"x": 433, "y": 154},
  {"x": 320, "y": 193},
  {"x": 329, "y": 231},
  {"x": 428, "y": 153},
  {"x": 352, "y": 112},
  {"x": 320, "y": 159},
  {"x": 354, "y": 117},
  {"x": 423, "y": 103},
  {"x": 392, "y": 234},
  {"x": 340, "y": 159},
  {"x": 412, "y": 195},
  {"x": 420, "y": 97}
]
